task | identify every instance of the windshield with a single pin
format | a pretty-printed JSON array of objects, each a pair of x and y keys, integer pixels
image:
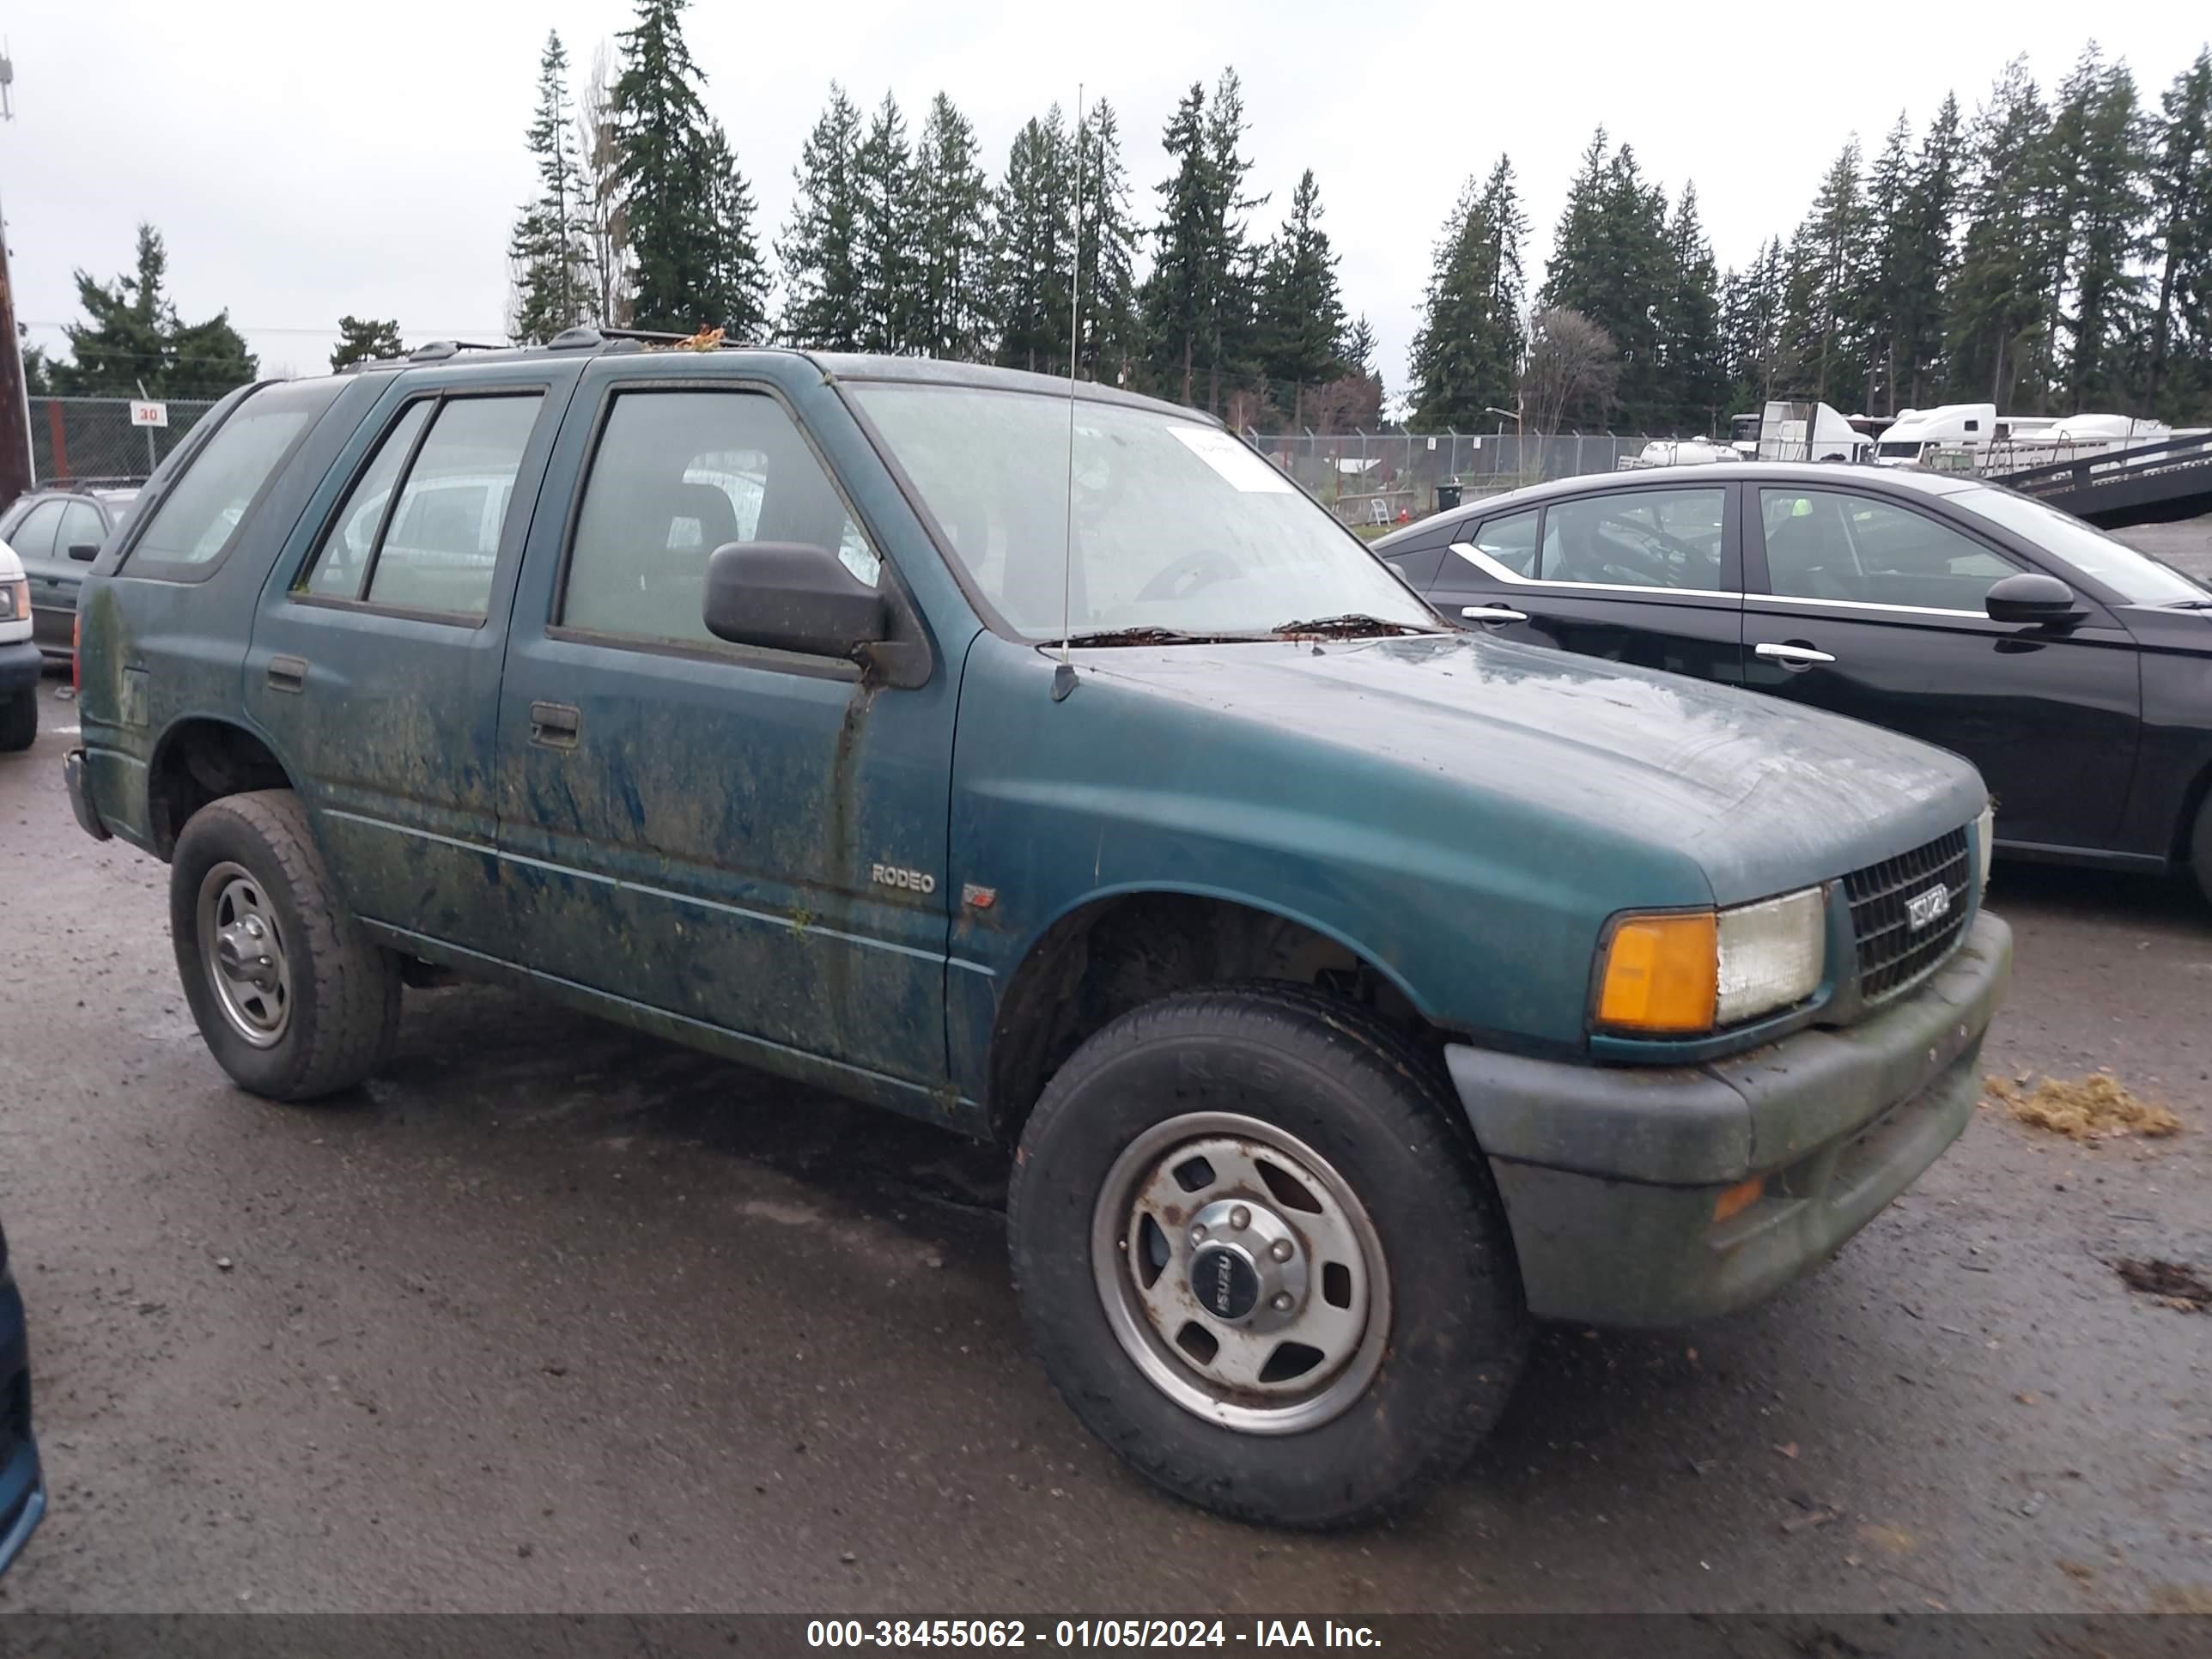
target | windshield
[
  {"x": 1177, "y": 525},
  {"x": 2136, "y": 577}
]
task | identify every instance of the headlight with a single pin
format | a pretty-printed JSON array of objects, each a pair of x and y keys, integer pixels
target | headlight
[
  {"x": 1985, "y": 839},
  {"x": 1685, "y": 973}
]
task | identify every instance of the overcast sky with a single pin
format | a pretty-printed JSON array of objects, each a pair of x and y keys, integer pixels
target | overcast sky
[{"x": 303, "y": 162}]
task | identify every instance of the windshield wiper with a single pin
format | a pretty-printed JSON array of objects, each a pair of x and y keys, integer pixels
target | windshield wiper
[
  {"x": 2191, "y": 604},
  {"x": 1141, "y": 636},
  {"x": 1352, "y": 625}
]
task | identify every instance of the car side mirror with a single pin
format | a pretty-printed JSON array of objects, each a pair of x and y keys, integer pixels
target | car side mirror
[
  {"x": 85, "y": 552},
  {"x": 789, "y": 596},
  {"x": 2032, "y": 597}
]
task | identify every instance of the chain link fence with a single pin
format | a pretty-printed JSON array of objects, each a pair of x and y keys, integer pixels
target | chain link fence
[
  {"x": 1374, "y": 477},
  {"x": 84, "y": 440},
  {"x": 1365, "y": 477}
]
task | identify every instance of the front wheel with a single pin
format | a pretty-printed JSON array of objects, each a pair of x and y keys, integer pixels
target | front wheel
[
  {"x": 293, "y": 998},
  {"x": 1259, "y": 1263}
]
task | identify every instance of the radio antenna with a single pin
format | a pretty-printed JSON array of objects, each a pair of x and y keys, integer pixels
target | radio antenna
[{"x": 1063, "y": 679}]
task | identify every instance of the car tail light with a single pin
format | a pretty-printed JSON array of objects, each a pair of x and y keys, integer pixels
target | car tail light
[{"x": 76, "y": 654}]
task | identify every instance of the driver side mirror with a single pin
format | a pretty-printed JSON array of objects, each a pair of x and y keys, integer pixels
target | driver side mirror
[
  {"x": 2030, "y": 597},
  {"x": 789, "y": 596},
  {"x": 85, "y": 552}
]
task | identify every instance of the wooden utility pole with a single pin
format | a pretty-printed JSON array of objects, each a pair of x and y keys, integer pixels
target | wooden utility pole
[{"x": 14, "y": 403}]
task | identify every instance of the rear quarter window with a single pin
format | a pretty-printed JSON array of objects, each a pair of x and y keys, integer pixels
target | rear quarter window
[{"x": 196, "y": 520}]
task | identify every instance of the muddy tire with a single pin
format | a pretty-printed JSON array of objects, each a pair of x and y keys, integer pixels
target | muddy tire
[
  {"x": 1259, "y": 1262},
  {"x": 292, "y": 998},
  {"x": 19, "y": 720}
]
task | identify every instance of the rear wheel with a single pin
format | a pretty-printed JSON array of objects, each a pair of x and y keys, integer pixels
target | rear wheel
[
  {"x": 19, "y": 720},
  {"x": 1259, "y": 1263},
  {"x": 293, "y": 998}
]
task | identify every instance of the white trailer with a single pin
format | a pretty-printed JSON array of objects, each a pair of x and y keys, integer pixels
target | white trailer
[{"x": 1975, "y": 438}]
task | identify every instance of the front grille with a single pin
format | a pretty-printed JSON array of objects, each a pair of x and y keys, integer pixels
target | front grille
[{"x": 1892, "y": 952}]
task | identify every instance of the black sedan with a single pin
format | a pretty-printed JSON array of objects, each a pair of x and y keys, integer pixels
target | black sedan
[
  {"x": 2073, "y": 671},
  {"x": 57, "y": 532}
]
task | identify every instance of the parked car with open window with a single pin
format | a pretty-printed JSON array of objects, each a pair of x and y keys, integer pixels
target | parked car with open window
[
  {"x": 1352, "y": 987},
  {"x": 2074, "y": 672}
]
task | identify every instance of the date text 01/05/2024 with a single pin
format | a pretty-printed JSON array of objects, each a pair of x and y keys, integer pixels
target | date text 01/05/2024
[{"x": 1138, "y": 1633}]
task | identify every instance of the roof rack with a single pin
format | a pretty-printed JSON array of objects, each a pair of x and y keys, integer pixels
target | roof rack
[
  {"x": 436, "y": 350},
  {"x": 85, "y": 486},
  {"x": 586, "y": 335}
]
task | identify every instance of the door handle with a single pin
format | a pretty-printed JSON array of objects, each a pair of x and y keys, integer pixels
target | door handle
[
  {"x": 1493, "y": 613},
  {"x": 288, "y": 673},
  {"x": 554, "y": 724},
  {"x": 1791, "y": 656}
]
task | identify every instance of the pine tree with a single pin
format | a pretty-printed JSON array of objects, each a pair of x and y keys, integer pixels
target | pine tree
[
  {"x": 1924, "y": 260},
  {"x": 1358, "y": 349},
  {"x": 1233, "y": 358},
  {"x": 1611, "y": 265},
  {"x": 2103, "y": 163},
  {"x": 549, "y": 248},
  {"x": 880, "y": 257},
  {"x": 1201, "y": 298},
  {"x": 819, "y": 251},
  {"x": 1997, "y": 301},
  {"x": 1178, "y": 295},
  {"x": 1821, "y": 314},
  {"x": 1112, "y": 343},
  {"x": 1692, "y": 359},
  {"x": 1465, "y": 353},
  {"x": 1033, "y": 256},
  {"x": 1299, "y": 321},
  {"x": 950, "y": 236},
  {"x": 1889, "y": 252},
  {"x": 688, "y": 209},
  {"x": 1751, "y": 327},
  {"x": 135, "y": 339},
  {"x": 734, "y": 279},
  {"x": 366, "y": 340},
  {"x": 2180, "y": 371}
]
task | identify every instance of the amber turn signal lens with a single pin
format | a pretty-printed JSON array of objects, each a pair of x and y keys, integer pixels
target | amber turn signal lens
[
  {"x": 1739, "y": 1197},
  {"x": 1661, "y": 975}
]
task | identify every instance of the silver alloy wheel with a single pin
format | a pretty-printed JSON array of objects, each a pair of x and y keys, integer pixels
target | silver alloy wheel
[
  {"x": 243, "y": 950},
  {"x": 1241, "y": 1273}
]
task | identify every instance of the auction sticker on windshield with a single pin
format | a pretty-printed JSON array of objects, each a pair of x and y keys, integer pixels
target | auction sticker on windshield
[{"x": 1232, "y": 459}]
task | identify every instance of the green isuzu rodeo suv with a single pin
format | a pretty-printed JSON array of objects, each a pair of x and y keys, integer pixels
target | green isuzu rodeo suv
[{"x": 1350, "y": 990}]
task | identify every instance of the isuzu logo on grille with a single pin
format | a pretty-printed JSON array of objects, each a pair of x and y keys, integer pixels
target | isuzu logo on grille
[{"x": 1922, "y": 910}]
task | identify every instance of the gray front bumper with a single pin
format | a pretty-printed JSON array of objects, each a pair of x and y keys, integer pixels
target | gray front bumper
[{"x": 1609, "y": 1175}]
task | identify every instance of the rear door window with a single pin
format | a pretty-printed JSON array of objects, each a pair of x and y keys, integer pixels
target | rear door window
[
  {"x": 194, "y": 524},
  {"x": 1635, "y": 538},
  {"x": 433, "y": 548}
]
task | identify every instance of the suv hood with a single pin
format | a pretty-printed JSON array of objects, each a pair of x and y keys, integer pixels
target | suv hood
[{"x": 1764, "y": 794}]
